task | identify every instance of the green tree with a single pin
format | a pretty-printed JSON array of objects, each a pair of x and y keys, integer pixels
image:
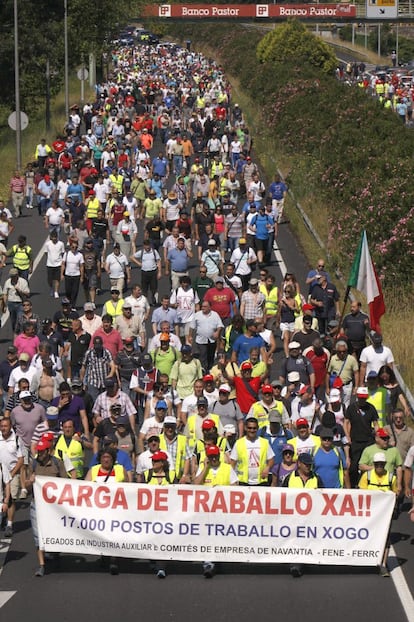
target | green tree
[{"x": 292, "y": 41}]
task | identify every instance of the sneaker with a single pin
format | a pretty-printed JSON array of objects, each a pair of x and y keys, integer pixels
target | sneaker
[
  {"x": 40, "y": 572},
  {"x": 23, "y": 494},
  {"x": 8, "y": 532},
  {"x": 161, "y": 574},
  {"x": 208, "y": 570},
  {"x": 113, "y": 569},
  {"x": 56, "y": 294},
  {"x": 384, "y": 572},
  {"x": 296, "y": 570}
]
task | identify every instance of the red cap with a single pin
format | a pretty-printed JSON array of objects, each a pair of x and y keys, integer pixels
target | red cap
[
  {"x": 42, "y": 445},
  {"x": 208, "y": 378},
  {"x": 307, "y": 307},
  {"x": 48, "y": 437},
  {"x": 306, "y": 389},
  {"x": 91, "y": 193},
  {"x": 212, "y": 450},
  {"x": 246, "y": 365},
  {"x": 302, "y": 423},
  {"x": 337, "y": 383},
  {"x": 382, "y": 433},
  {"x": 208, "y": 424},
  {"x": 267, "y": 388},
  {"x": 159, "y": 455}
]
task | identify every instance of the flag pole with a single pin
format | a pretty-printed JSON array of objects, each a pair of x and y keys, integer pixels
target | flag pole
[{"x": 341, "y": 319}]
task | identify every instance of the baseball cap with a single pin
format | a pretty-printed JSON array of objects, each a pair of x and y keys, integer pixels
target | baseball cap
[
  {"x": 333, "y": 324},
  {"x": 286, "y": 447},
  {"x": 305, "y": 458},
  {"x": 43, "y": 445},
  {"x": 372, "y": 374},
  {"x": 146, "y": 359},
  {"x": 208, "y": 424},
  {"x": 159, "y": 455},
  {"x": 212, "y": 450},
  {"x": 307, "y": 307},
  {"x": 267, "y": 388},
  {"x": 169, "y": 420},
  {"x": 13, "y": 272},
  {"x": 326, "y": 433},
  {"x": 362, "y": 392},
  {"x": 242, "y": 241},
  {"x": 202, "y": 401},
  {"x": 52, "y": 412},
  {"x": 254, "y": 282},
  {"x": 211, "y": 242},
  {"x": 129, "y": 341},
  {"x": 25, "y": 395},
  {"x": 152, "y": 435},
  {"x": 89, "y": 306},
  {"x": 219, "y": 279},
  {"x": 24, "y": 357},
  {"x": 277, "y": 383},
  {"x": 275, "y": 417},
  {"x": 302, "y": 423},
  {"x": 123, "y": 420},
  {"x": 65, "y": 301},
  {"x": 164, "y": 337},
  {"x": 335, "y": 395},
  {"x": 76, "y": 382},
  {"x": 114, "y": 290},
  {"x": 11, "y": 350},
  {"x": 161, "y": 404},
  {"x": 246, "y": 365},
  {"x": 224, "y": 388},
  {"x": 208, "y": 378},
  {"x": 127, "y": 305},
  {"x": 229, "y": 428},
  {"x": 109, "y": 382},
  {"x": 306, "y": 389},
  {"x": 294, "y": 345},
  {"x": 379, "y": 457},
  {"x": 382, "y": 433},
  {"x": 49, "y": 437},
  {"x": 186, "y": 349}
]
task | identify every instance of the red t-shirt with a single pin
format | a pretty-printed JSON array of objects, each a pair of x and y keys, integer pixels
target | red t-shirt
[{"x": 220, "y": 300}]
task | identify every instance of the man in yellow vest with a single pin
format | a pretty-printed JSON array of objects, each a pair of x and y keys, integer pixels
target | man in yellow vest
[
  {"x": 114, "y": 305},
  {"x": 271, "y": 294},
  {"x": 378, "y": 397},
  {"x": 252, "y": 456},
  {"x": 214, "y": 472},
  {"x": 22, "y": 257},
  {"x": 69, "y": 445},
  {"x": 177, "y": 447}
]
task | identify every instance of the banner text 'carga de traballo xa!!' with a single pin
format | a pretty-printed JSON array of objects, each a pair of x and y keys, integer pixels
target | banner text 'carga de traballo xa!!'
[{"x": 192, "y": 523}]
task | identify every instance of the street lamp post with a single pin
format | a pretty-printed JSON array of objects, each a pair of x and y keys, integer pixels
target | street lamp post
[
  {"x": 65, "y": 27},
  {"x": 17, "y": 90}
]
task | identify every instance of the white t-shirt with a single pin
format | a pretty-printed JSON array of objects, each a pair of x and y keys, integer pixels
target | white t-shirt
[
  {"x": 73, "y": 262},
  {"x": 116, "y": 265},
  {"x": 186, "y": 301},
  {"x": 151, "y": 425},
  {"x": 55, "y": 215},
  {"x": 375, "y": 359},
  {"x": 55, "y": 253},
  {"x": 102, "y": 192},
  {"x": 253, "y": 452}
]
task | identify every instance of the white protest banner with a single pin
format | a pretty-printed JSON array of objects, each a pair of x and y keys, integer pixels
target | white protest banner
[{"x": 233, "y": 524}]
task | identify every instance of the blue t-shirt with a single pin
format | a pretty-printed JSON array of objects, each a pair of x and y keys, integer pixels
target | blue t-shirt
[
  {"x": 277, "y": 442},
  {"x": 244, "y": 344},
  {"x": 326, "y": 465},
  {"x": 261, "y": 223},
  {"x": 277, "y": 190},
  {"x": 178, "y": 260},
  {"x": 159, "y": 165}
]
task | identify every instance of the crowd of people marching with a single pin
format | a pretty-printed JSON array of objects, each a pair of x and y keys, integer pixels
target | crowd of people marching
[{"x": 200, "y": 367}]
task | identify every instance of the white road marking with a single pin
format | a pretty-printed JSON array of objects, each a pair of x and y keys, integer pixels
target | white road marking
[
  {"x": 401, "y": 586},
  {"x": 4, "y": 597},
  {"x": 281, "y": 264}
]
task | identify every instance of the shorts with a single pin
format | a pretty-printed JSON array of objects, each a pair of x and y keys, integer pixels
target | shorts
[
  {"x": 15, "y": 487},
  {"x": 261, "y": 245},
  {"x": 185, "y": 329},
  {"x": 287, "y": 327},
  {"x": 26, "y": 454},
  {"x": 91, "y": 279}
]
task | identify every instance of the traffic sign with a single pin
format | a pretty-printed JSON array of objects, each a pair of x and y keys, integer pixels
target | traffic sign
[
  {"x": 82, "y": 73},
  {"x": 12, "y": 120},
  {"x": 382, "y": 9}
]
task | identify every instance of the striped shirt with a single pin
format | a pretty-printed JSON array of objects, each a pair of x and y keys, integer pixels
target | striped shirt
[
  {"x": 97, "y": 367},
  {"x": 17, "y": 184}
]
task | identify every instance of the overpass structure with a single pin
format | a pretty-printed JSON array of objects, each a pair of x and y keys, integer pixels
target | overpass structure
[{"x": 371, "y": 11}]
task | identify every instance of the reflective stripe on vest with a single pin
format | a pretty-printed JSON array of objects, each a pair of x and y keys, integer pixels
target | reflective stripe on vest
[{"x": 74, "y": 452}]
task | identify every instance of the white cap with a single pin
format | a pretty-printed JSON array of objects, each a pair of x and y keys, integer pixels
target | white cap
[
  {"x": 170, "y": 419},
  {"x": 24, "y": 394},
  {"x": 379, "y": 457},
  {"x": 335, "y": 395},
  {"x": 224, "y": 387},
  {"x": 229, "y": 428},
  {"x": 293, "y": 376},
  {"x": 294, "y": 344}
]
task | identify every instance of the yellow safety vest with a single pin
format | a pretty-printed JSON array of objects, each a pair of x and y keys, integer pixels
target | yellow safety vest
[
  {"x": 221, "y": 477},
  {"x": 117, "y": 181},
  {"x": 117, "y": 468},
  {"x": 74, "y": 452},
  {"x": 151, "y": 479},
  {"x": 181, "y": 453},
  {"x": 200, "y": 448},
  {"x": 92, "y": 208},
  {"x": 216, "y": 169},
  {"x": 261, "y": 413},
  {"x": 272, "y": 298},
  {"x": 299, "y": 304},
  {"x": 21, "y": 257},
  {"x": 114, "y": 310},
  {"x": 378, "y": 400},
  {"x": 191, "y": 427},
  {"x": 375, "y": 482},
  {"x": 200, "y": 102},
  {"x": 296, "y": 482},
  {"x": 243, "y": 459}
]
